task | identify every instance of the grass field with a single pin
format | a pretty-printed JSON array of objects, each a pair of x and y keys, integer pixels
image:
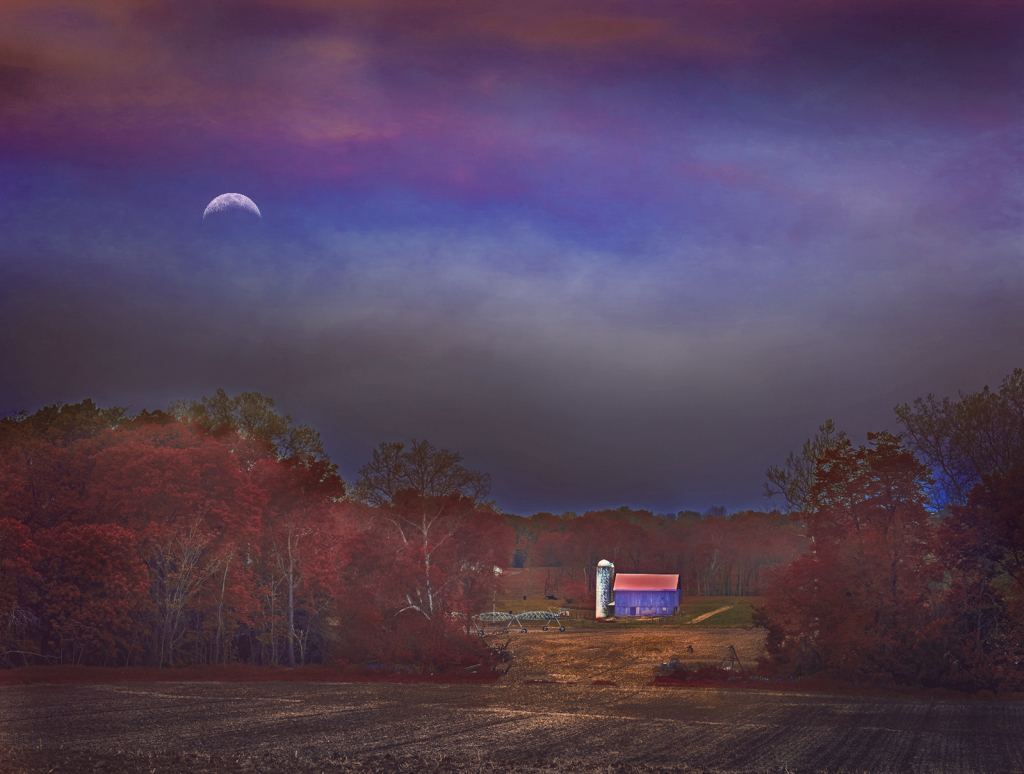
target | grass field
[
  {"x": 524, "y": 590},
  {"x": 742, "y": 608}
]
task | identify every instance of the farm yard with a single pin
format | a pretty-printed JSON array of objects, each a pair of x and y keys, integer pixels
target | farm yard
[
  {"x": 553, "y": 713},
  {"x": 629, "y": 657},
  {"x": 524, "y": 590}
]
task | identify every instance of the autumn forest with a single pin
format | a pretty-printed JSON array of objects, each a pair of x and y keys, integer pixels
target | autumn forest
[{"x": 219, "y": 532}]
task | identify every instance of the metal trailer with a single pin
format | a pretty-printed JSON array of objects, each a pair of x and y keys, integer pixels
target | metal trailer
[{"x": 513, "y": 621}]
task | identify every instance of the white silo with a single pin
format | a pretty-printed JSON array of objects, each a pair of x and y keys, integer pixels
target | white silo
[{"x": 604, "y": 587}]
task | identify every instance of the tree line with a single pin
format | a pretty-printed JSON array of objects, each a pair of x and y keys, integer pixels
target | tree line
[
  {"x": 218, "y": 532},
  {"x": 712, "y": 554},
  {"x": 915, "y": 569}
]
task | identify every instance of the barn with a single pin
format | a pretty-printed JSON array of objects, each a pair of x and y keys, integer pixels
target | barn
[{"x": 646, "y": 595}]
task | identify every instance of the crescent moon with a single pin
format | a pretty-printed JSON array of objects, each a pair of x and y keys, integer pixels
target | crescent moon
[{"x": 232, "y": 201}]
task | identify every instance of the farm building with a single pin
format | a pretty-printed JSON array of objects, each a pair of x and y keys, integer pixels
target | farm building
[{"x": 646, "y": 595}]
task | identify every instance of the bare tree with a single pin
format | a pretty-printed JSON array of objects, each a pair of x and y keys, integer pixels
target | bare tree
[
  {"x": 178, "y": 568},
  {"x": 980, "y": 434},
  {"x": 431, "y": 472},
  {"x": 426, "y": 494},
  {"x": 793, "y": 481}
]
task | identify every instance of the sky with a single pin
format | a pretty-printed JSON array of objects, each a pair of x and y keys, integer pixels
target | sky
[{"x": 613, "y": 253}]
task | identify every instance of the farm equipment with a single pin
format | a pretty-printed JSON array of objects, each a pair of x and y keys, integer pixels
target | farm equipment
[
  {"x": 732, "y": 658},
  {"x": 511, "y": 621}
]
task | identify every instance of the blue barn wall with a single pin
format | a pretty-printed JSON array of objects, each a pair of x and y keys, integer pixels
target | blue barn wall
[{"x": 634, "y": 603}]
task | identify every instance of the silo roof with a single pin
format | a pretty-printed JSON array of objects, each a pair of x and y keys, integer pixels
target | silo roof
[{"x": 624, "y": 582}]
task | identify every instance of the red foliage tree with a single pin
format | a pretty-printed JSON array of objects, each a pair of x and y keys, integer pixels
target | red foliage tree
[
  {"x": 856, "y": 604},
  {"x": 425, "y": 496},
  {"x": 184, "y": 496},
  {"x": 19, "y": 582},
  {"x": 208, "y": 505},
  {"x": 981, "y": 546},
  {"x": 298, "y": 519},
  {"x": 93, "y": 581},
  {"x": 589, "y": 539},
  {"x": 550, "y": 551},
  {"x": 481, "y": 548}
]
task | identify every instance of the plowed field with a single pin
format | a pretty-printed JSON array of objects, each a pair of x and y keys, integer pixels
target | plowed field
[{"x": 515, "y": 725}]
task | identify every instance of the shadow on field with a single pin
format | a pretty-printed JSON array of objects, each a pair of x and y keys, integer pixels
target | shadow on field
[{"x": 372, "y": 673}]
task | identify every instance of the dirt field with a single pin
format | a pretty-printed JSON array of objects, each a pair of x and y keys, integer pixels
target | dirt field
[
  {"x": 516, "y": 726},
  {"x": 626, "y": 658}
]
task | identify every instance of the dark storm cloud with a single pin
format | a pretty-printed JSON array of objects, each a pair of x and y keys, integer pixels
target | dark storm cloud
[
  {"x": 948, "y": 45},
  {"x": 613, "y": 255},
  {"x": 190, "y": 21},
  {"x": 17, "y": 76},
  {"x": 572, "y": 387}
]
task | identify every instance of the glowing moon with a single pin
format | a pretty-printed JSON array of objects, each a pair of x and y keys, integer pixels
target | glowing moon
[{"x": 232, "y": 201}]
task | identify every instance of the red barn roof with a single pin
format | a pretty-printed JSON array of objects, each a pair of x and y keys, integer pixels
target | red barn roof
[{"x": 624, "y": 582}]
